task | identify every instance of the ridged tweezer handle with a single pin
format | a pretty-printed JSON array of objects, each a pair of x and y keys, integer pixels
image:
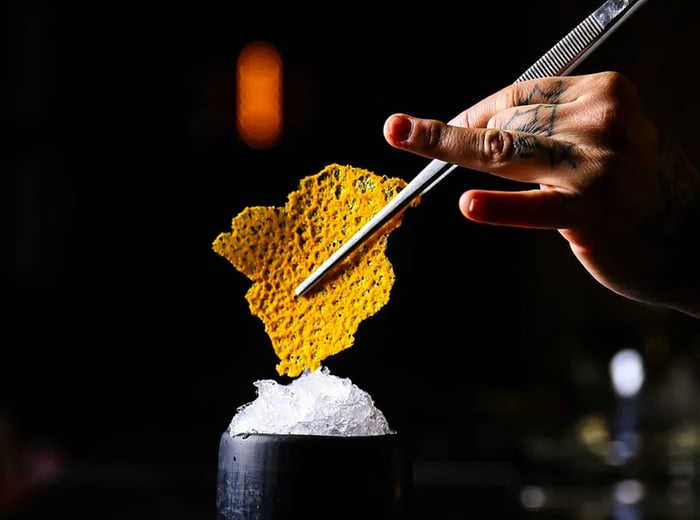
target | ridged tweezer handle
[
  {"x": 582, "y": 39},
  {"x": 565, "y": 54}
]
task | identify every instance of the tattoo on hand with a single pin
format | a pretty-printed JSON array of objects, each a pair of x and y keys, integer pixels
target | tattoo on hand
[
  {"x": 553, "y": 95},
  {"x": 539, "y": 120}
]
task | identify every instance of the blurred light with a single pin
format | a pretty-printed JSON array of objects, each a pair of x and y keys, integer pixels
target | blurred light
[
  {"x": 629, "y": 492},
  {"x": 259, "y": 95},
  {"x": 684, "y": 441},
  {"x": 622, "y": 450},
  {"x": 532, "y": 497},
  {"x": 593, "y": 433},
  {"x": 627, "y": 372}
]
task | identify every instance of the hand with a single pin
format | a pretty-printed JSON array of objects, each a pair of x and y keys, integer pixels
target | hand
[{"x": 622, "y": 195}]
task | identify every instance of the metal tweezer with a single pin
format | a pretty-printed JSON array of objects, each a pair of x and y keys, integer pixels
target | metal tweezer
[{"x": 558, "y": 61}]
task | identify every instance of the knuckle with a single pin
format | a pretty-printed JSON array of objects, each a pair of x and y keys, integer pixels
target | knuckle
[
  {"x": 496, "y": 146},
  {"x": 613, "y": 81}
]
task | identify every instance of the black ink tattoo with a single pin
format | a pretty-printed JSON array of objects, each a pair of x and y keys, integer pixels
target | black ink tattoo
[
  {"x": 540, "y": 120},
  {"x": 553, "y": 95},
  {"x": 560, "y": 153},
  {"x": 525, "y": 146}
]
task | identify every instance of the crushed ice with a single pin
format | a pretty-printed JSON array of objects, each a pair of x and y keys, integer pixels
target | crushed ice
[{"x": 315, "y": 403}]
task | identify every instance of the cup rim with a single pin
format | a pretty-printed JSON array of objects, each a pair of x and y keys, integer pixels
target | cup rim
[{"x": 245, "y": 435}]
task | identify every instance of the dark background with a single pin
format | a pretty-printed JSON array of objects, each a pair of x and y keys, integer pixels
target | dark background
[{"x": 127, "y": 344}]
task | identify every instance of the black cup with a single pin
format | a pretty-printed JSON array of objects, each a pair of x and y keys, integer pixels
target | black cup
[{"x": 310, "y": 477}]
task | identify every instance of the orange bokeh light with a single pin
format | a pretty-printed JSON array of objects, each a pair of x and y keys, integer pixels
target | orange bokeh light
[{"x": 259, "y": 95}]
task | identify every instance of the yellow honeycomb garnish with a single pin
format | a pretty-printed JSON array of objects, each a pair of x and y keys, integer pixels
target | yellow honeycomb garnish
[{"x": 278, "y": 247}]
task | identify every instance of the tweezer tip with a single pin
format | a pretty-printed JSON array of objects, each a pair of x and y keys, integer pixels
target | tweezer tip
[{"x": 303, "y": 288}]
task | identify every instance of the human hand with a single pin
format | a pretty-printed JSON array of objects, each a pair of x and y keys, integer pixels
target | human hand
[{"x": 624, "y": 197}]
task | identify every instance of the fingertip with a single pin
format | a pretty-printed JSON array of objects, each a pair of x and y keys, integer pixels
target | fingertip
[
  {"x": 467, "y": 204},
  {"x": 477, "y": 205},
  {"x": 398, "y": 129}
]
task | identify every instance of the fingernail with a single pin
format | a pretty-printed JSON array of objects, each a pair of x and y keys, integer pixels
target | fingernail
[
  {"x": 475, "y": 208},
  {"x": 400, "y": 128}
]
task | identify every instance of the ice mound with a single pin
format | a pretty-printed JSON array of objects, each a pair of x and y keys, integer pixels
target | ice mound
[{"x": 315, "y": 403}]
